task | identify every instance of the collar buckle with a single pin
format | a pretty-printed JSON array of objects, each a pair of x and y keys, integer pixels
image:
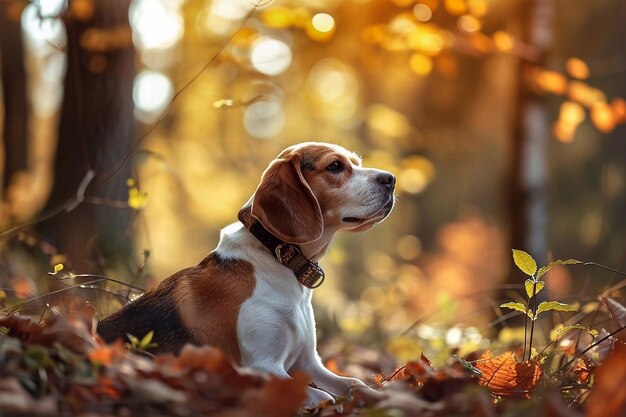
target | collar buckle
[
  {"x": 308, "y": 273},
  {"x": 286, "y": 253}
]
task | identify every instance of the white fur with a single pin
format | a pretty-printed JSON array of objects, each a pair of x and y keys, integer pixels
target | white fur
[{"x": 276, "y": 326}]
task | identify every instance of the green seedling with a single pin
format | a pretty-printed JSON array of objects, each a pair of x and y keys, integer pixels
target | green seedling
[
  {"x": 533, "y": 286},
  {"x": 141, "y": 345}
]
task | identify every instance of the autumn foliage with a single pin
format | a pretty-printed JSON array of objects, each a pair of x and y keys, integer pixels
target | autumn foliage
[
  {"x": 505, "y": 376},
  {"x": 59, "y": 366}
]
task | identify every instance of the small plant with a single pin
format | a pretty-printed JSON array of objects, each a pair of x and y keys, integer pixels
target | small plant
[
  {"x": 137, "y": 345},
  {"x": 533, "y": 286}
]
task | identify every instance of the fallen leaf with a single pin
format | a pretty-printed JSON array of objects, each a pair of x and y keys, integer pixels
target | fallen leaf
[
  {"x": 617, "y": 311},
  {"x": 506, "y": 377},
  {"x": 406, "y": 404},
  {"x": 420, "y": 370},
  {"x": 582, "y": 370},
  {"x": 608, "y": 397},
  {"x": 599, "y": 352},
  {"x": 279, "y": 397},
  {"x": 105, "y": 354}
]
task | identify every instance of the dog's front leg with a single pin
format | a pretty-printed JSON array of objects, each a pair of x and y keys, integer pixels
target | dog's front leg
[
  {"x": 266, "y": 344},
  {"x": 338, "y": 386}
]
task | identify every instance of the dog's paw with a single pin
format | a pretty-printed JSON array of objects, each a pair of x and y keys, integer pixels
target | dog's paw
[{"x": 317, "y": 398}]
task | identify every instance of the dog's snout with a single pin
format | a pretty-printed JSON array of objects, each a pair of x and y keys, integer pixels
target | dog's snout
[{"x": 387, "y": 179}]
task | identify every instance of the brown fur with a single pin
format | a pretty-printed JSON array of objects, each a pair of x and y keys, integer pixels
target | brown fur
[
  {"x": 197, "y": 305},
  {"x": 296, "y": 191},
  {"x": 209, "y": 302},
  {"x": 286, "y": 205}
]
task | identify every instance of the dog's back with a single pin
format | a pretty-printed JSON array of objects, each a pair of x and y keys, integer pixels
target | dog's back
[{"x": 197, "y": 305}]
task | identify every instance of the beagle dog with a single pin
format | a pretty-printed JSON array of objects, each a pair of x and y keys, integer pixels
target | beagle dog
[{"x": 251, "y": 296}]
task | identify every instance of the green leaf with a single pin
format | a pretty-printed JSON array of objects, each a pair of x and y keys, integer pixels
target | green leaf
[
  {"x": 554, "y": 305},
  {"x": 551, "y": 265},
  {"x": 529, "y": 284},
  {"x": 561, "y": 330},
  {"x": 145, "y": 342},
  {"x": 518, "y": 307},
  {"x": 524, "y": 262},
  {"x": 134, "y": 342}
]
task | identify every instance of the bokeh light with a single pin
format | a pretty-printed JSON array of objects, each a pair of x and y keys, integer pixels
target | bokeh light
[
  {"x": 323, "y": 22},
  {"x": 264, "y": 119},
  {"x": 43, "y": 33},
  {"x": 222, "y": 17},
  {"x": 270, "y": 56},
  {"x": 152, "y": 93},
  {"x": 468, "y": 23},
  {"x": 503, "y": 41},
  {"x": 334, "y": 88},
  {"x": 577, "y": 68},
  {"x": 156, "y": 24},
  {"x": 421, "y": 64},
  {"x": 422, "y": 12}
]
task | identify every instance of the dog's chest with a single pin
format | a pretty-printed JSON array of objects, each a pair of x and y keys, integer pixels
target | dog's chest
[{"x": 276, "y": 324}]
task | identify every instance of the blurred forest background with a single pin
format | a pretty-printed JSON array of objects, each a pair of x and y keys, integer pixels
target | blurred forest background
[{"x": 134, "y": 131}]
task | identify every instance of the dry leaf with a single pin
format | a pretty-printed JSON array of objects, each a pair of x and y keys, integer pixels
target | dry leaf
[
  {"x": 608, "y": 397},
  {"x": 582, "y": 370},
  {"x": 105, "y": 354},
  {"x": 617, "y": 310},
  {"x": 506, "y": 377},
  {"x": 279, "y": 397}
]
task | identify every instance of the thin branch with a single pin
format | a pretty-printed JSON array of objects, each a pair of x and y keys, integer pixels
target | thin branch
[
  {"x": 79, "y": 197},
  {"x": 117, "y": 281},
  {"x": 68, "y": 206},
  {"x": 605, "y": 267},
  {"x": 588, "y": 348}
]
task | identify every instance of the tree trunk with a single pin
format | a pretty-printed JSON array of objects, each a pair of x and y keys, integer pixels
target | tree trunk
[
  {"x": 527, "y": 184},
  {"x": 96, "y": 131},
  {"x": 14, "y": 90}
]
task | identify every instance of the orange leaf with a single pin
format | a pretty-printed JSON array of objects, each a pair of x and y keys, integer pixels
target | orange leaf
[
  {"x": 279, "y": 397},
  {"x": 420, "y": 370},
  {"x": 608, "y": 397},
  {"x": 106, "y": 353},
  {"x": 379, "y": 379},
  {"x": 106, "y": 387},
  {"x": 506, "y": 377},
  {"x": 582, "y": 371}
]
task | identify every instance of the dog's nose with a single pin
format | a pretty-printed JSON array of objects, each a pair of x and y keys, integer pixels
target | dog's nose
[{"x": 387, "y": 179}]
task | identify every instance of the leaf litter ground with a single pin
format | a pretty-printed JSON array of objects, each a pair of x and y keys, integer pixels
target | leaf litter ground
[{"x": 60, "y": 367}]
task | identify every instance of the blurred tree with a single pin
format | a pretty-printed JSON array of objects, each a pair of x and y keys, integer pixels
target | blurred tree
[
  {"x": 97, "y": 130},
  {"x": 14, "y": 91},
  {"x": 528, "y": 178}
]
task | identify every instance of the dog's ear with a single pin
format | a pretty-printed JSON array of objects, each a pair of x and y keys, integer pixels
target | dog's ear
[{"x": 285, "y": 204}]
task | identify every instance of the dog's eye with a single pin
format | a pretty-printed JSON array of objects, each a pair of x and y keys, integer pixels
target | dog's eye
[{"x": 336, "y": 166}]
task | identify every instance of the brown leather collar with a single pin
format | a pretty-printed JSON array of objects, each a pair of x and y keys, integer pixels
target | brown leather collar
[{"x": 308, "y": 273}]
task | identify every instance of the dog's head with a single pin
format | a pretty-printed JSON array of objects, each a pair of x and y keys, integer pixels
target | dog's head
[{"x": 315, "y": 186}]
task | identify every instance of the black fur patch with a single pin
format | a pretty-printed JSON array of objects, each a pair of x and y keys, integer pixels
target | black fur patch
[{"x": 156, "y": 311}]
